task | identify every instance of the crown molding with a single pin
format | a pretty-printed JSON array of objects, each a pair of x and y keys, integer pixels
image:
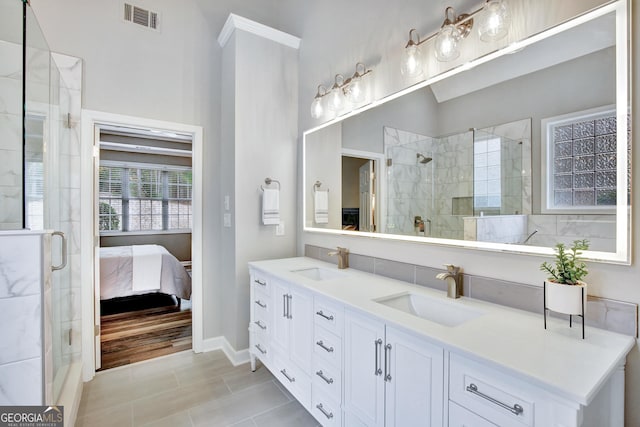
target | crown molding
[{"x": 238, "y": 22}]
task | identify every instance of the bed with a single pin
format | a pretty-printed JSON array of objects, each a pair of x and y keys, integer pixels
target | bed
[{"x": 141, "y": 269}]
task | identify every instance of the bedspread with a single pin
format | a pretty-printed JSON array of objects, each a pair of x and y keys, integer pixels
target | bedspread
[{"x": 116, "y": 274}]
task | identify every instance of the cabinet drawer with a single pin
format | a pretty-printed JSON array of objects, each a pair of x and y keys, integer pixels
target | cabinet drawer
[
  {"x": 327, "y": 379},
  {"x": 328, "y": 346},
  {"x": 261, "y": 304},
  {"x": 261, "y": 282},
  {"x": 328, "y": 315},
  {"x": 461, "y": 417},
  {"x": 260, "y": 347},
  {"x": 326, "y": 410},
  {"x": 490, "y": 393},
  {"x": 293, "y": 378}
]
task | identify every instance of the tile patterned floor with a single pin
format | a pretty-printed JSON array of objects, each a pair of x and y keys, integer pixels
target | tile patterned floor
[{"x": 189, "y": 390}]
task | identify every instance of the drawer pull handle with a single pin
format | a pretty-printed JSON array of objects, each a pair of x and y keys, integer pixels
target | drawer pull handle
[
  {"x": 260, "y": 325},
  {"x": 515, "y": 409},
  {"x": 329, "y": 415},
  {"x": 377, "y": 348},
  {"x": 324, "y": 347},
  {"x": 260, "y": 303},
  {"x": 260, "y": 282},
  {"x": 321, "y": 314},
  {"x": 321, "y": 375},
  {"x": 291, "y": 379},
  {"x": 260, "y": 349},
  {"x": 387, "y": 363}
]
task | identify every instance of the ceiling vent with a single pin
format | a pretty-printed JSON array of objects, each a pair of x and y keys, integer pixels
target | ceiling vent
[{"x": 140, "y": 16}]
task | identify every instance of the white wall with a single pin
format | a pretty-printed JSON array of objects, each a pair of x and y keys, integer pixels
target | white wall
[{"x": 330, "y": 49}]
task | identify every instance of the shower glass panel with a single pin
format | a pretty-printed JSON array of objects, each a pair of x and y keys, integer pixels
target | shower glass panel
[
  {"x": 497, "y": 174},
  {"x": 410, "y": 169},
  {"x": 10, "y": 115},
  {"x": 43, "y": 156}
]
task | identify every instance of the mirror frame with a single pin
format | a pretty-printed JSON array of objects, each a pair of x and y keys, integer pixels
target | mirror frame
[{"x": 623, "y": 109}]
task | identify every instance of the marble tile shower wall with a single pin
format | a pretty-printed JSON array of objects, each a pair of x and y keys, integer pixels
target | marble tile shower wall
[
  {"x": 22, "y": 288},
  {"x": 453, "y": 176},
  {"x": 410, "y": 183},
  {"x": 10, "y": 136},
  {"x": 616, "y": 316},
  {"x": 600, "y": 230}
]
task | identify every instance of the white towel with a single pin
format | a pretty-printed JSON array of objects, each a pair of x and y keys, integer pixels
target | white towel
[
  {"x": 147, "y": 267},
  {"x": 321, "y": 206},
  {"x": 271, "y": 206}
]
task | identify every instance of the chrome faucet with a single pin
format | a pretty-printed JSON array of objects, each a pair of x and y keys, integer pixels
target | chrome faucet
[
  {"x": 343, "y": 257},
  {"x": 451, "y": 277}
]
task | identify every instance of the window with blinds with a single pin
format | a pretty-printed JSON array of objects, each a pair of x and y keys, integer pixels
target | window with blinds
[{"x": 145, "y": 198}]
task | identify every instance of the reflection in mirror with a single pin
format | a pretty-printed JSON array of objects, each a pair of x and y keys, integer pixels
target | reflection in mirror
[
  {"x": 466, "y": 157},
  {"x": 449, "y": 186}
]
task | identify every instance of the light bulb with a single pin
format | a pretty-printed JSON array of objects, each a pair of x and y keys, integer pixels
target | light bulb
[
  {"x": 356, "y": 93},
  {"x": 317, "y": 109},
  {"x": 336, "y": 99},
  {"x": 495, "y": 20},
  {"x": 411, "y": 64},
  {"x": 317, "y": 106},
  {"x": 446, "y": 44}
]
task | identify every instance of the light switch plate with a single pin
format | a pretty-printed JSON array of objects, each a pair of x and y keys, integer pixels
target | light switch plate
[
  {"x": 226, "y": 219},
  {"x": 280, "y": 229},
  {"x": 227, "y": 203}
]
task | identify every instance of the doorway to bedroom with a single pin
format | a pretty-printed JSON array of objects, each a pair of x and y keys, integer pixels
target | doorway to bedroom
[{"x": 144, "y": 216}]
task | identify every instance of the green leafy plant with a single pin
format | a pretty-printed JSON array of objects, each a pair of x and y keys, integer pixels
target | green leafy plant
[{"x": 568, "y": 269}]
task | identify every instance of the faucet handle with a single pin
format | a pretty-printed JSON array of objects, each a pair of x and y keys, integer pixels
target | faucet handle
[{"x": 452, "y": 268}]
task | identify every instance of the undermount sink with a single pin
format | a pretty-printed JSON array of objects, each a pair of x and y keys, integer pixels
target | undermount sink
[
  {"x": 446, "y": 313},
  {"x": 319, "y": 273}
]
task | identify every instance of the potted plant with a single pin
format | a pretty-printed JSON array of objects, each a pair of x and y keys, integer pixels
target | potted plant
[{"x": 564, "y": 290}]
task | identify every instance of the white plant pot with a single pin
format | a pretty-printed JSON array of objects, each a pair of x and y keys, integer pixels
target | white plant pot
[{"x": 567, "y": 299}]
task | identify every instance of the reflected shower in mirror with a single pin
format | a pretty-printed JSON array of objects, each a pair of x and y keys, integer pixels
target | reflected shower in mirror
[{"x": 467, "y": 158}]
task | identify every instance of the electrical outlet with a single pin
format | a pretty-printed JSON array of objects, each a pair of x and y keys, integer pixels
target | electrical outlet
[
  {"x": 227, "y": 203},
  {"x": 280, "y": 229},
  {"x": 227, "y": 220}
]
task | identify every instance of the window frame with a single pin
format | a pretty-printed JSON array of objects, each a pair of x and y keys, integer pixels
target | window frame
[
  {"x": 547, "y": 160},
  {"x": 126, "y": 198}
]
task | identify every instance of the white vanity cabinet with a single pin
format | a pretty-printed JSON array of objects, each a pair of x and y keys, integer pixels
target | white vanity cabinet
[
  {"x": 291, "y": 338},
  {"x": 326, "y": 388},
  {"x": 392, "y": 378},
  {"x": 353, "y": 362}
]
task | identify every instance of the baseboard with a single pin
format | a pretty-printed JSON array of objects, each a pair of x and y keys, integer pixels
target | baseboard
[
  {"x": 71, "y": 394},
  {"x": 236, "y": 357}
]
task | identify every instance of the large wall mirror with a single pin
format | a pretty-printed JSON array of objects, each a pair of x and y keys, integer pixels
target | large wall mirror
[{"x": 515, "y": 153}]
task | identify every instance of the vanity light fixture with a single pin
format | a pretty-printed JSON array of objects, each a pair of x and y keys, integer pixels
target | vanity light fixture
[
  {"x": 493, "y": 24},
  {"x": 317, "y": 106},
  {"x": 352, "y": 90},
  {"x": 337, "y": 99},
  {"x": 412, "y": 64}
]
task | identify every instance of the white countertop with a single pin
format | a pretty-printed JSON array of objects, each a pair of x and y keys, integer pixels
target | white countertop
[{"x": 556, "y": 358}]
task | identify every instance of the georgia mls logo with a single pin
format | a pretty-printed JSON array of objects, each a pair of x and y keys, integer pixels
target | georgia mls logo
[{"x": 31, "y": 416}]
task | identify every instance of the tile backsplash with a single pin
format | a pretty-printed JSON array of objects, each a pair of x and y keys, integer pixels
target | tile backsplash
[{"x": 615, "y": 316}]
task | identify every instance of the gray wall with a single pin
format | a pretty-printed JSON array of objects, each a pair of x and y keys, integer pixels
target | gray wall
[
  {"x": 259, "y": 131},
  {"x": 179, "y": 244}
]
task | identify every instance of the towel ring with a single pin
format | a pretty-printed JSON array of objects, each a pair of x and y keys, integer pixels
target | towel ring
[
  {"x": 270, "y": 181},
  {"x": 317, "y": 186}
]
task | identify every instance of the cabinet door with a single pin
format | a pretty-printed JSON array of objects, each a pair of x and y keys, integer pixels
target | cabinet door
[
  {"x": 363, "y": 368},
  {"x": 301, "y": 328},
  {"x": 280, "y": 303},
  {"x": 414, "y": 376}
]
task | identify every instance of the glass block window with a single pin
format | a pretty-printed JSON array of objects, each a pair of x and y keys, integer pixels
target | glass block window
[
  {"x": 582, "y": 161},
  {"x": 144, "y": 198},
  {"x": 487, "y": 190}
]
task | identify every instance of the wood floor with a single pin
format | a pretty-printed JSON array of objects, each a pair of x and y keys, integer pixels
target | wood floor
[{"x": 148, "y": 333}]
